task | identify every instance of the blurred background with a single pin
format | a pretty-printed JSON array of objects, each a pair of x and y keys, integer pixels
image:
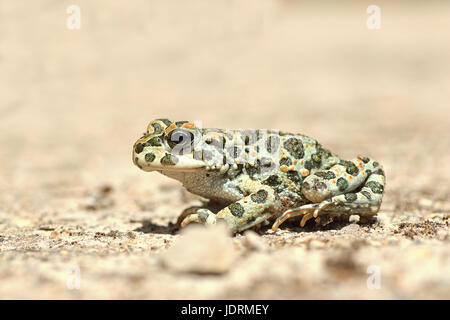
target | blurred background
[{"x": 73, "y": 101}]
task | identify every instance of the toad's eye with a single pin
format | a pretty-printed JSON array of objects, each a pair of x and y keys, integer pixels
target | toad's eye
[{"x": 179, "y": 139}]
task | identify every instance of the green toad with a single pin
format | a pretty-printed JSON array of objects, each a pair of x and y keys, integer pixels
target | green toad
[{"x": 252, "y": 177}]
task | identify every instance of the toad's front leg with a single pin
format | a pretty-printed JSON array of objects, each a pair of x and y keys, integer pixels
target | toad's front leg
[
  {"x": 209, "y": 208},
  {"x": 249, "y": 211}
]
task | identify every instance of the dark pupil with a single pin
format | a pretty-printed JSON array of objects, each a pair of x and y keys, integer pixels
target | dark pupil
[{"x": 179, "y": 137}]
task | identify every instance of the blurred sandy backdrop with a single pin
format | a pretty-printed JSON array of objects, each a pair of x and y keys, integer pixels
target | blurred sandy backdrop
[{"x": 72, "y": 102}]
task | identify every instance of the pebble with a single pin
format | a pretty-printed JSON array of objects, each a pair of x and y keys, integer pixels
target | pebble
[
  {"x": 21, "y": 223},
  {"x": 425, "y": 203},
  {"x": 351, "y": 228},
  {"x": 316, "y": 244},
  {"x": 201, "y": 250},
  {"x": 253, "y": 241}
]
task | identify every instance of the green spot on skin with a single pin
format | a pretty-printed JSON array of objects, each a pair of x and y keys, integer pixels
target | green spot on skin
[
  {"x": 149, "y": 157},
  {"x": 169, "y": 160},
  {"x": 294, "y": 176},
  {"x": 138, "y": 148},
  {"x": 325, "y": 174},
  {"x": 295, "y": 147},
  {"x": 317, "y": 157},
  {"x": 154, "y": 142},
  {"x": 273, "y": 180},
  {"x": 350, "y": 197},
  {"x": 167, "y": 122},
  {"x": 285, "y": 162},
  {"x": 375, "y": 187},
  {"x": 379, "y": 171},
  {"x": 342, "y": 184},
  {"x": 157, "y": 128},
  {"x": 364, "y": 159},
  {"x": 259, "y": 197},
  {"x": 350, "y": 167},
  {"x": 254, "y": 170},
  {"x": 308, "y": 164},
  {"x": 236, "y": 209}
]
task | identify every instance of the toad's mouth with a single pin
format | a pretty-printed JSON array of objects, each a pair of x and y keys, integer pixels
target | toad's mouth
[
  {"x": 172, "y": 169},
  {"x": 162, "y": 170},
  {"x": 166, "y": 162}
]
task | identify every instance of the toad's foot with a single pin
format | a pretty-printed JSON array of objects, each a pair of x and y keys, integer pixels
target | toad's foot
[
  {"x": 196, "y": 214},
  {"x": 187, "y": 212},
  {"x": 308, "y": 211}
]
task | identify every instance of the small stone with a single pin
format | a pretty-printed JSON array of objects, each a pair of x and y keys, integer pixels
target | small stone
[
  {"x": 253, "y": 241},
  {"x": 354, "y": 218},
  {"x": 316, "y": 244},
  {"x": 21, "y": 223},
  {"x": 201, "y": 250},
  {"x": 47, "y": 227},
  {"x": 105, "y": 189},
  {"x": 351, "y": 228},
  {"x": 425, "y": 203}
]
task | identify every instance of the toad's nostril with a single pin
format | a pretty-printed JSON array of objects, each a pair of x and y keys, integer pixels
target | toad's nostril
[{"x": 136, "y": 162}]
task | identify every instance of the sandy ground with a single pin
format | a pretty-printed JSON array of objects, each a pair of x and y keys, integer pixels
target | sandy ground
[{"x": 78, "y": 220}]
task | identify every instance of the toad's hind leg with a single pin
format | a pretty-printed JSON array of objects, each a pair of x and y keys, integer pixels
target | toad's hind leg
[{"x": 365, "y": 202}]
